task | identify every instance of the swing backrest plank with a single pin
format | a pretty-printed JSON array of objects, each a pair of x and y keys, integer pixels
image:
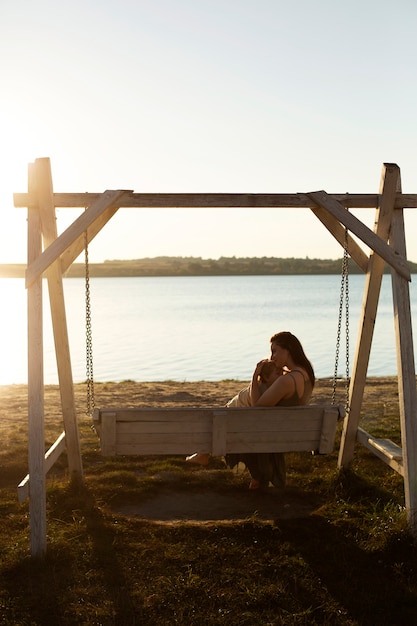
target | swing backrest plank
[{"x": 143, "y": 431}]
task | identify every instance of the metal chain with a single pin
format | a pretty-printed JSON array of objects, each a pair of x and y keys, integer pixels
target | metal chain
[
  {"x": 344, "y": 297},
  {"x": 89, "y": 335},
  {"x": 346, "y": 270},
  {"x": 339, "y": 327}
]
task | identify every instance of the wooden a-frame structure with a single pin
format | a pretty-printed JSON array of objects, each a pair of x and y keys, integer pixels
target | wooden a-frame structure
[{"x": 51, "y": 255}]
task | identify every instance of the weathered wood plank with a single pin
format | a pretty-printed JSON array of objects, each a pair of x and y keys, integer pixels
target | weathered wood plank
[
  {"x": 384, "y": 449},
  {"x": 212, "y": 200},
  {"x": 235, "y": 442},
  {"x": 406, "y": 374},
  {"x": 178, "y": 438},
  {"x": 159, "y": 415},
  {"x": 236, "y": 413},
  {"x": 36, "y": 414},
  {"x": 58, "y": 316},
  {"x": 267, "y": 447},
  {"x": 275, "y": 420},
  {"x": 218, "y": 431},
  {"x": 218, "y": 443},
  {"x": 74, "y": 249},
  {"x": 51, "y": 456},
  {"x": 338, "y": 231},
  {"x": 247, "y": 424},
  {"x": 328, "y": 433},
  {"x": 170, "y": 427},
  {"x": 108, "y": 434},
  {"x": 388, "y": 186},
  {"x": 370, "y": 238},
  {"x": 181, "y": 438},
  {"x": 276, "y": 437},
  {"x": 59, "y": 245},
  {"x": 151, "y": 445}
]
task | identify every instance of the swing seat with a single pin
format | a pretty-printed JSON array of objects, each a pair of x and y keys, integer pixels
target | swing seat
[{"x": 219, "y": 431}]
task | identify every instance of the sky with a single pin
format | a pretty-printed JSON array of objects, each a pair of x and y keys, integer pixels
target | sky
[{"x": 239, "y": 96}]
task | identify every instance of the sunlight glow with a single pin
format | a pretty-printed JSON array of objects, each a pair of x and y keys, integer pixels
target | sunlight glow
[
  {"x": 17, "y": 150},
  {"x": 179, "y": 102},
  {"x": 13, "y": 333}
]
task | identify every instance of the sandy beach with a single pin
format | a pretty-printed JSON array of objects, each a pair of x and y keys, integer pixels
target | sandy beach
[
  {"x": 381, "y": 397},
  {"x": 13, "y": 398}
]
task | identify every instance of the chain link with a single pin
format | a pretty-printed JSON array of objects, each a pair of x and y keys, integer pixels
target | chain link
[
  {"x": 90, "y": 405},
  {"x": 344, "y": 298},
  {"x": 346, "y": 270}
]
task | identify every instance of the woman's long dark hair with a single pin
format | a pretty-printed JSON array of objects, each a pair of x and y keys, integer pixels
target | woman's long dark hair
[{"x": 289, "y": 342}]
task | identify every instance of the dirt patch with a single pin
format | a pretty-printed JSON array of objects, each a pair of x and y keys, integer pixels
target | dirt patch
[{"x": 207, "y": 506}]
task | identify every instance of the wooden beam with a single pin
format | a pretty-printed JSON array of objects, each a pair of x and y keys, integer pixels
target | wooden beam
[
  {"x": 36, "y": 410},
  {"x": 51, "y": 456},
  {"x": 59, "y": 321},
  {"x": 384, "y": 449},
  {"x": 213, "y": 200},
  {"x": 406, "y": 374},
  {"x": 370, "y": 238},
  {"x": 69, "y": 256},
  {"x": 91, "y": 220},
  {"x": 338, "y": 231},
  {"x": 389, "y": 182}
]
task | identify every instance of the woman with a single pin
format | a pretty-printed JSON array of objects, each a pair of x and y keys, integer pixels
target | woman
[
  {"x": 293, "y": 388},
  {"x": 268, "y": 372}
]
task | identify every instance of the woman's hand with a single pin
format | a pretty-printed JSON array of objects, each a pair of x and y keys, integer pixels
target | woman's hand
[
  {"x": 258, "y": 369},
  {"x": 255, "y": 391}
]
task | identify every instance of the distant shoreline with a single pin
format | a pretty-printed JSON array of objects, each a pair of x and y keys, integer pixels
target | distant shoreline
[{"x": 197, "y": 266}]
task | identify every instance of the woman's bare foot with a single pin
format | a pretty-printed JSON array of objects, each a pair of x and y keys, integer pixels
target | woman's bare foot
[{"x": 199, "y": 458}]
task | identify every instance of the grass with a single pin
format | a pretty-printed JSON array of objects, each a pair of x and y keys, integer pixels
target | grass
[{"x": 351, "y": 562}]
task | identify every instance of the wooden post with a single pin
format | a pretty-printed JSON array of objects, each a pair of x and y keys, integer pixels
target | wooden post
[
  {"x": 406, "y": 374},
  {"x": 37, "y": 502},
  {"x": 389, "y": 179},
  {"x": 59, "y": 322}
]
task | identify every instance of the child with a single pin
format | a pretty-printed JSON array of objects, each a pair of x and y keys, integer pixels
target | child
[{"x": 267, "y": 375}]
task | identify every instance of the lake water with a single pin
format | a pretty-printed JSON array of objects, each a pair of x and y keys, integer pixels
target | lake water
[{"x": 197, "y": 328}]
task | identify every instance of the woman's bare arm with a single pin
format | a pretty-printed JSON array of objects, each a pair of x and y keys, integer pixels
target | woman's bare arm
[{"x": 282, "y": 388}]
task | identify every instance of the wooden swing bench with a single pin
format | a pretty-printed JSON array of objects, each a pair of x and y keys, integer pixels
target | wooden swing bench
[{"x": 179, "y": 431}]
